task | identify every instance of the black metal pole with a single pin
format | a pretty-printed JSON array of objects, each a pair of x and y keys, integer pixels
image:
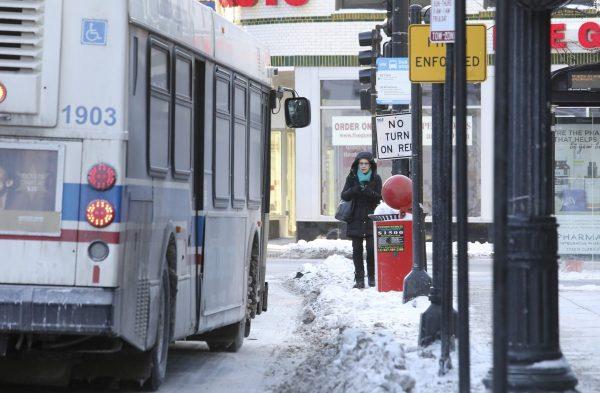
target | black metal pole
[
  {"x": 429, "y": 330},
  {"x": 418, "y": 282},
  {"x": 400, "y": 49},
  {"x": 462, "y": 196},
  {"x": 375, "y": 49},
  {"x": 531, "y": 235},
  {"x": 447, "y": 322},
  {"x": 500, "y": 303}
]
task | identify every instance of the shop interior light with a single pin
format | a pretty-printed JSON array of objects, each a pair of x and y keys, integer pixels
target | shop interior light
[
  {"x": 102, "y": 177},
  {"x": 3, "y": 92},
  {"x": 100, "y": 213}
]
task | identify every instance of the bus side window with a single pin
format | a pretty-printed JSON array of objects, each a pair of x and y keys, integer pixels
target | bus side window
[
  {"x": 255, "y": 151},
  {"x": 159, "y": 109},
  {"x": 222, "y": 140},
  {"x": 182, "y": 138},
  {"x": 240, "y": 127}
]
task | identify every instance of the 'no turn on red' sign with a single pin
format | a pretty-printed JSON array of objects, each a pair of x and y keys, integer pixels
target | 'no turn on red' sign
[
  {"x": 427, "y": 60},
  {"x": 394, "y": 137}
]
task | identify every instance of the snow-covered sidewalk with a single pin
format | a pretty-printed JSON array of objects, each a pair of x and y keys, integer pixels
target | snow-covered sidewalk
[{"x": 364, "y": 340}]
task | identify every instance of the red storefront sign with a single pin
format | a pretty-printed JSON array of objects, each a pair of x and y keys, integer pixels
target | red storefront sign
[
  {"x": 252, "y": 3},
  {"x": 588, "y": 35}
]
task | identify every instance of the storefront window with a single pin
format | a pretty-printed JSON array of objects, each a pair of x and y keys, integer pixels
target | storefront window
[
  {"x": 345, "y": 131},
  {"x": 577, "y": 181},
  {"x": 473, "y": 150},
  {"x": 276, "y": 172}
]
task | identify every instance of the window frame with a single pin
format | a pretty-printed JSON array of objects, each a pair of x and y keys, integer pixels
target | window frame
[
  {"x": 224, "y": 75},
  {"x": 188, "y": 102},
  {"x": 243, "y": 120},
  {"x": 163, "y": 95},
  {"x": 254, "y": 88},
  {"x": 339, "y": 5}
]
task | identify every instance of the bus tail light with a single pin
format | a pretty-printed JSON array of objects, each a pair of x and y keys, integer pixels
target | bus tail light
[
  {"x": 98, "y": 251},
  {"x": 100, "y": 213},
  {"x": 102, "y": 177}
]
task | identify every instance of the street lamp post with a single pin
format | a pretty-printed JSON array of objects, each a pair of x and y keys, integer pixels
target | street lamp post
[{"x": 531, "y": 284}]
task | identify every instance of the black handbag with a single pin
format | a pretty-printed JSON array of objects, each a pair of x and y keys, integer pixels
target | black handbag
[{"x": 344, "y": 210}]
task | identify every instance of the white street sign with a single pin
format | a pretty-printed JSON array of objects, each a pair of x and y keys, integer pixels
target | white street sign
[
  {"x": 393, "y": 85},
  {"x": 394, "y": 137},
  {"x": 442, "y": 21}
]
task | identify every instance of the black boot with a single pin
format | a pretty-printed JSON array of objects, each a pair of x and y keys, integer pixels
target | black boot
[
  {"x": 371, "y": 281},
  {"x": 359, "y": 282}
]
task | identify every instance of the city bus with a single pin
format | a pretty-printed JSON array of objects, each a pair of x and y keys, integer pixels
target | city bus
[{"x": 134, "y": 183}]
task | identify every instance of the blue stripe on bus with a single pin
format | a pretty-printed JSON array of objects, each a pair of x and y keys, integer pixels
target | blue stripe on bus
[{"x": 76, "y": 197}]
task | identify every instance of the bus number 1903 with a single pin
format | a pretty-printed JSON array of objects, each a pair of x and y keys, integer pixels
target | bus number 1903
[{"x": 94, "y": 115}]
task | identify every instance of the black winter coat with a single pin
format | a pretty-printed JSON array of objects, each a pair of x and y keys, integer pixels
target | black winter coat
[{"x": 365, "y": 197}]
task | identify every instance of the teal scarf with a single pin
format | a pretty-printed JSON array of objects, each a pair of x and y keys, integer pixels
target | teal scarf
[{"x": 364, "y": 177}]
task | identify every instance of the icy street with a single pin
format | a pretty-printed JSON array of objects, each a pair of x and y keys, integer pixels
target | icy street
[{"x": 320, "y": 335}]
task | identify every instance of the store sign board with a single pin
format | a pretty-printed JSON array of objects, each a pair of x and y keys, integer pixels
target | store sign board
[
  {"x": 393, "y": 85},
  {"x": 442, "y": 21},
  {"x": 427, "y": 130},
  {"x": 428, "y": 59},
  {"x": 351, "y": 131},
  {"x": 394, "y": 136},
  {"x": 252, "y": 3},
  {"x": 578, "y": 234}
]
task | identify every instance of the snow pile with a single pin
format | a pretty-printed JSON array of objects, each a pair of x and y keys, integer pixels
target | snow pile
[
  {"x": 354, "y": 361},
  {"x": 475, "y": 249},
  {"x": 384, "y": 208},
  {"x": 315, "y": 249},
  {"x": 323, "y": 248},
  {"x": 575, "y": 276},
  {"x": 364, "y": 340},
  {"x": 590, "y": 287}
]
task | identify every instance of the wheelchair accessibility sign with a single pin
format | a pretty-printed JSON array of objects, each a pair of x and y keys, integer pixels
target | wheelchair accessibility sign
[{"x": 93, "y": 31}]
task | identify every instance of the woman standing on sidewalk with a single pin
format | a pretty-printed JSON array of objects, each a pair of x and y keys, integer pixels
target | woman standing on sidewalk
[{"x": 363, "y": 187}]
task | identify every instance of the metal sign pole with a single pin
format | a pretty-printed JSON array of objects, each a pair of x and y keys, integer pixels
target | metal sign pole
[
  {"x": 418, "y": 282},
  {"x": 400, "y": 49},
  {"x": 447, "y": 322},
  {"x": 462, "y": 196},
  {"x": 429, "y": 330}
]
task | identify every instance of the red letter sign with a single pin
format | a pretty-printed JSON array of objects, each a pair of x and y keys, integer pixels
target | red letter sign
[
  {"x": 271, "y": 2},
  {"x": 247, "y": 3},
  {"x": 557, "y": 35},
  {"x": 228, "y": 3},
  {"x": 589, "y": 35},
  {"x": 296, "y": 3}
]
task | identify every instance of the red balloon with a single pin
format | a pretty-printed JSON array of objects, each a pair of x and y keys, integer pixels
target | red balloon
[{"x": 397, "y": 193}]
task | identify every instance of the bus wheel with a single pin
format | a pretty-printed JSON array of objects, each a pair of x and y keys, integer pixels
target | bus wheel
[
  {"x": 233, "y": 345},
  {"x": 160, "y": 351}
]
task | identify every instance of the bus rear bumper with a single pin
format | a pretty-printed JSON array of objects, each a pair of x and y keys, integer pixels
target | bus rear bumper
[{"x": 57, "y": 310}]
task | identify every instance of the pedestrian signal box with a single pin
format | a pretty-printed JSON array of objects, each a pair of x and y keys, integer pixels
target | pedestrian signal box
[{"x": 427, "y": 60}]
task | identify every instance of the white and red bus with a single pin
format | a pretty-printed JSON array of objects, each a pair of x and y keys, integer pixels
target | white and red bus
[{"x": 134, "y": 178}]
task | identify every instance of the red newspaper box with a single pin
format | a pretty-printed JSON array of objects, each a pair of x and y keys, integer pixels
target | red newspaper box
[{"x": 393, "y": 251}]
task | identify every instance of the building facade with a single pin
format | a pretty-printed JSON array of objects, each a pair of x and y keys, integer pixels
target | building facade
[{"x": 314, "y": 45}]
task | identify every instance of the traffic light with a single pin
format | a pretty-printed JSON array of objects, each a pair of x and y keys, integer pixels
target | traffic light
[{"x": 368, "y": 57}]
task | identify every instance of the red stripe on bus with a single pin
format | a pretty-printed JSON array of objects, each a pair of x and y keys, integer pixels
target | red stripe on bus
[{"x": 70, "y": 235}]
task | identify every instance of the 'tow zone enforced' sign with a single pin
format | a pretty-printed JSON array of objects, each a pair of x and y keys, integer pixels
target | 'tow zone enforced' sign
[{"x": 428, "y": 59}]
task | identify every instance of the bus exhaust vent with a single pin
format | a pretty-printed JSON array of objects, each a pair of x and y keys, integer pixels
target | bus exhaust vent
[{"x": 21, "y": 35}]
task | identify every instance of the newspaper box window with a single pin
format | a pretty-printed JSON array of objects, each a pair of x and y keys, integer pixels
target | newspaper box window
[{"x": 30, "y": 189}]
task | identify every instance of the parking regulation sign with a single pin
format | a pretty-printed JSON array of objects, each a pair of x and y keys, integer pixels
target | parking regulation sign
[
  {"x": 394, "y": 136},
  {"x": 442, "y": 21}
]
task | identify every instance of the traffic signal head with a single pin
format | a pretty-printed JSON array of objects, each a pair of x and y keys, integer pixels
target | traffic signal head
[
  {"x": 387, "y": 24},
  {"x": 369, "y": 38}
]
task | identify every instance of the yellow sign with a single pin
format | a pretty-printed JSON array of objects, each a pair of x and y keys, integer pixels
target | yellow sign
[{"x": 428, "y": 59}]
